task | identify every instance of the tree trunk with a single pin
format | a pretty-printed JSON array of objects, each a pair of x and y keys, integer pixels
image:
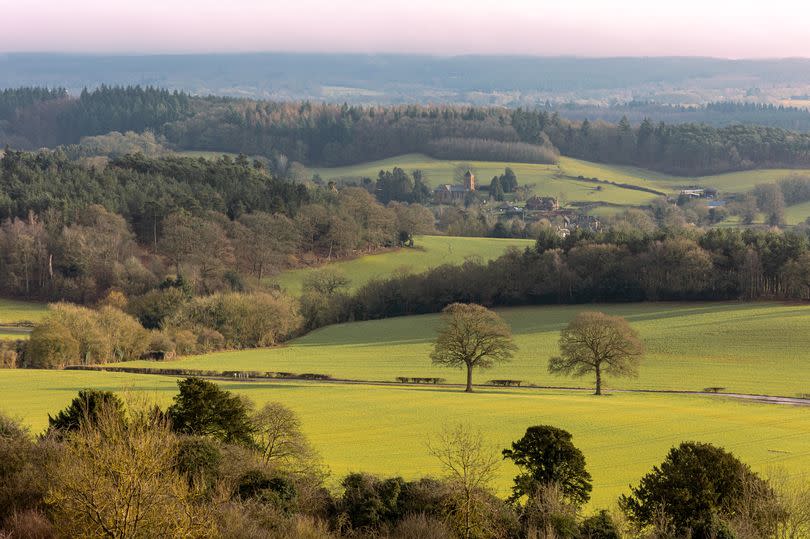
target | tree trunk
[
  {"x": 598, "y": 380},
  {"x": 469, "y": 379}
]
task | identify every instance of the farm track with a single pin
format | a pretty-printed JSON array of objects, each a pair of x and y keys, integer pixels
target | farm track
[{"x": 764, "y": 399}]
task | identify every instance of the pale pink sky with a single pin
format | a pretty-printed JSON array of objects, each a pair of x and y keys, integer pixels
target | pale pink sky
[{"x": 723, "y": 28}]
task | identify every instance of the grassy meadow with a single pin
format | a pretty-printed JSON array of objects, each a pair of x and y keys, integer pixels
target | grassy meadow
[
  {"x": 559, "y": 180},
  {"x": 548, "y": 180},
  {"x": 743, "y": 347},
  {"x": 15, "y": 312},
  {"x": 428, "y": 252},
  {"x": 383, "y": 429}
]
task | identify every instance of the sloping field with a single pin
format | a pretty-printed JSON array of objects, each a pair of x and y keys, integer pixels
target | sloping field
[
  {"x": 384, "y": 429},
  {"x": 13, "y": 313},
  {"x": 428, "y": 252},
  {"x": 548, "y": 180},
  {"x": 559, "y": 180},
  {"x": 744, "y": 347}
]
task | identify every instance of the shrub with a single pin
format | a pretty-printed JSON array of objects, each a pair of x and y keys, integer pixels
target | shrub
[
  {"x": 23, "y": 478},
  {"x": 199, "y": 460},
  {"x": 695, "y": 487},
  {"x": 85, "y": 408},
  {"x": 203, "y": 409},
  {"x": 113, "y": 475},
  {"x": 51, "y": 346},
  {"x": 243, "y": 320},
  {"x": 599, "y": 526}
]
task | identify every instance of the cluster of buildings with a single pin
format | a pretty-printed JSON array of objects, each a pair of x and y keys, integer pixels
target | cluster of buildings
[{"x": 535, "y": 209}]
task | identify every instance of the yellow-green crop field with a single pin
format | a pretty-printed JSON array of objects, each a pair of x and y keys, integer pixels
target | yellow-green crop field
[
  {"x": 383, "y": 429},
  {"x": 428, "y": 252},
  {"x": 759, "y": 348}
]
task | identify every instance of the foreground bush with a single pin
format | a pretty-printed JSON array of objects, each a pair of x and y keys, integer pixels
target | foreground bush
[
  {"x": 112, "y": 480},
  {"x": 696, "y": 488}
]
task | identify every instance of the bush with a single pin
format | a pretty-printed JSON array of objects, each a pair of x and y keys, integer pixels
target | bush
[
  {"x": 599, "y": 526},
  {"x": 243, "y": 320},
  {"x": 23, "y": 477},
  {"x": 695, "y": 487},
  {"x": 199, "y": 460},
  {"x": 51, "y": 346},
  {"x": 421, "y": 526},
  {"x": 74, "y": 335},
  {"x": 85, "y": 408},
  {"x": 203, "y": 409}
]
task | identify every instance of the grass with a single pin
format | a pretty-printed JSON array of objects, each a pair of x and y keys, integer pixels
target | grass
[
  {"x": 549, "y": 180},
  {"x": 429, "y": 251},
  {"x": 558, "y": 180},
  {"x": 744, "y": 347},
  {"x": 13, "y": 312},
  {"x": 383, "y": 430}
]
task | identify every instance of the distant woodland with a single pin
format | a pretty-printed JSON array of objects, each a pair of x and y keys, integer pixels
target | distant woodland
[{"x": 324, "y": 134}]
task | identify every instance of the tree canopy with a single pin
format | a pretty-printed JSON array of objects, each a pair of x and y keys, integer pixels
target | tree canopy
[
  {"x": 597, "y": 343},
  {"x": 472, "y": 336}
]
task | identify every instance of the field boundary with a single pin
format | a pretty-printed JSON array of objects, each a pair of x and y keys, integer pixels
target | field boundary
[{"x": 255, "y": 376}]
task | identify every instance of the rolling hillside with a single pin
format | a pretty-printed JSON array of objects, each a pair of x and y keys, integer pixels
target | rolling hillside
[
  {"x": 561, "y": 180},
  {"x": 428, "y": 252},
  {"x": 747, "y": 348}
]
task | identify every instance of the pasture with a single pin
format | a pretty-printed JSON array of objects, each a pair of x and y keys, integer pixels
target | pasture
[
  {"x": 548, "y": 180},
  {"x": 744, "y": 347},
  {"x": 13, "y": 313},
  {"x": 560, "y": 180},
  {"x": 428, "y": 252},
  {"x": 384, "y": 429}
]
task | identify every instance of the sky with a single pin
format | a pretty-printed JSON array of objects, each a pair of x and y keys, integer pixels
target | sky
[{"x": 720, "y": 28}]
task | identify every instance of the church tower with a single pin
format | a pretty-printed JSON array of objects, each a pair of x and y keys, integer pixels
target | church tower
[{"x": 469, "y": 181}]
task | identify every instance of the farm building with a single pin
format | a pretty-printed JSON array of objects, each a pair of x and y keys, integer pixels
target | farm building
[
  {"x": 536, "y": 203},
  {"x": 450, "y": 194}
]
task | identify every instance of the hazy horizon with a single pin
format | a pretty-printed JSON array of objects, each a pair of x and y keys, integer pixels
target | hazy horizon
[{"x": 577, "y": 28}]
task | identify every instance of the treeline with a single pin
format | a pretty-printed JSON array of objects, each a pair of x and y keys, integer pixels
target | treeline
[
  {"x": 716, "y": 114},
  {"x": 619, "y": 265},
  {"x": 213, "y": 464},
  {"x": 37, "y": 117},
  {"x": 489, "y": 150},
  {"x": 326, "y": 134},
  {"x": 687, "y": 149},
  {"x": 165, "y": 323}
]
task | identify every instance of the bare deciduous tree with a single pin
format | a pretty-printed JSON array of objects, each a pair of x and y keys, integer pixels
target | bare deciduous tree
[
  {"x": 277, "y": 432},
  {"x": 115, "y": 478},
  {"x": 470, "y": 465},
  {"x": 472, "y": 336},
  {"x": 595, "y": 342}
]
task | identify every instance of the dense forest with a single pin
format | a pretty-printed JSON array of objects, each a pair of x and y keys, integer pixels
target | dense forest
[
  {"x": 323, "y": 134},
  {"x": 72, "y": 231}
]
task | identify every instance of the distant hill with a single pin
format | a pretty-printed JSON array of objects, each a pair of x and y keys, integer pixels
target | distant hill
[{"x": 357, "y": 78}]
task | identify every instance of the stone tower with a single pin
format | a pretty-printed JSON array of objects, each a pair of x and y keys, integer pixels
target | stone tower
[{"x": 469, "y": 181}]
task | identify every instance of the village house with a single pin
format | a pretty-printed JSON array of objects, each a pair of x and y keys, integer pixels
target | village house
[
  {"x": 536, "y": 203},
  {"x": 451, "y": 194}
]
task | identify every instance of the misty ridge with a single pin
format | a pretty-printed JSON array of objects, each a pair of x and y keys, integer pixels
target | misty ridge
[{"x": 510, "y": 81}]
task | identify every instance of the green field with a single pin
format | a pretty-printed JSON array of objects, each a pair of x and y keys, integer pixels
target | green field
[
  {"x": 384, "y": 429},
  {"x": 559, "y": 180},
  {"x": 428, "y": 252},
  {"x": 14, "y": 312},
  {"x": 744, "y": 347},
  {"x": 548, "y": 180}
]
